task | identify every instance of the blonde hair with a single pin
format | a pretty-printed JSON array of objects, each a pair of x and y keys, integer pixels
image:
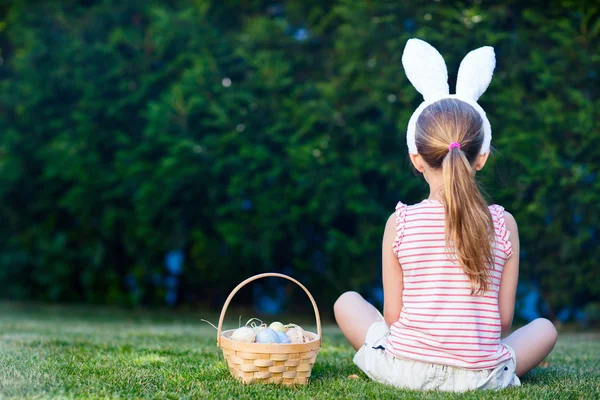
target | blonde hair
[{"x": 469, "y": 223}]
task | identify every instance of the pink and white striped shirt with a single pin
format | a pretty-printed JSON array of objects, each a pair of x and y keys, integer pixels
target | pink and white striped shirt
[{"x": 441, "y": 321}]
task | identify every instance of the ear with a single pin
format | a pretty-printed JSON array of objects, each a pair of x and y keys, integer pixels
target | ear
[
  {"x": 480, "y": 161},
  {"x": 475, "y": 73},
  {"x": 417, "y": 162},
  {"x": 425, "y": 69}
]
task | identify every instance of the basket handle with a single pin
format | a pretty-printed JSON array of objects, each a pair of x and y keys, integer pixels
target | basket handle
[{"x": 260, "y": 276}]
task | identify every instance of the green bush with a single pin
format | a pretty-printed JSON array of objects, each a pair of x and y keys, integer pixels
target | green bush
[{"x": 271, "y": 137}]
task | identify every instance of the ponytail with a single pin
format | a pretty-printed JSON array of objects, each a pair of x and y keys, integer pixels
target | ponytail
[
  {"x": 469, "y": 224},
  {"x": 449, "y": 136}
]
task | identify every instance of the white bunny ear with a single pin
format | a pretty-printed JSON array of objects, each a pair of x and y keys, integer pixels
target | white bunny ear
[
  {"x": 475, "y": 73},
  {"x": 425, "y": 69}
]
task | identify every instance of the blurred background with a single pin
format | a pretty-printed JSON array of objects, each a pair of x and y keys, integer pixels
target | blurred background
[{"x": 157, "y": 153}]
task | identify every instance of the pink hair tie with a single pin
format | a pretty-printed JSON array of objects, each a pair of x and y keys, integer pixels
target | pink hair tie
[{"x": 454, "y": 145}]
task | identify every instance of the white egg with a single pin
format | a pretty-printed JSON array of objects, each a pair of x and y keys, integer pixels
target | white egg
[
  {"x": 244, "y": 334},
  {"x": 295, "y": 334},
  {"x": 277, "y": 326}
]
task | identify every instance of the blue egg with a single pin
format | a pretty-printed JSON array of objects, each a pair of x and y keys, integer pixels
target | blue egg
[
  {"x": 283, "y": 339},
  {"x": 267, "y": 335}
]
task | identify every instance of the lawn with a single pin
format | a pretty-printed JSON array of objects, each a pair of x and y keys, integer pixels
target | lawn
[{"x": 78, "y": 352}]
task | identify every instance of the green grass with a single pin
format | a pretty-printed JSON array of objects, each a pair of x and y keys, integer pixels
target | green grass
[{"x": 78, "y": 352}]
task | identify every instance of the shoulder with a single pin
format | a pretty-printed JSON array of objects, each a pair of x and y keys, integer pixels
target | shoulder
[
  {"x": 511, "y": 223},
  {"x": 391, "y": 222},
  {"x": 509, "y": 230},
  {"x": 395, "y": 220},
  {"x": 499, "y": 213},
  {"x": 389, "y": 234}
]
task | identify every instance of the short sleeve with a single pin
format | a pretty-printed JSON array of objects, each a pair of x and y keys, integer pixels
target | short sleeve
[
  {"x": 502, "y": 234},
  {"x": 400, "y": 217}
]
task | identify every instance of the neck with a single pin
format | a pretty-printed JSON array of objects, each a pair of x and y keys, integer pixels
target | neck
[{"x": 436, "y": 184}]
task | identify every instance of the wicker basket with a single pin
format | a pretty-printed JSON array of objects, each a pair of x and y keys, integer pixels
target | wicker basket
[{"x": 288, "y": 364}]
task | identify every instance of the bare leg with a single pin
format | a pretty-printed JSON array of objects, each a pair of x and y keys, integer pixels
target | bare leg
[
  {"x": 532, "y": 343},
  {"x": 354, "y": 316}
]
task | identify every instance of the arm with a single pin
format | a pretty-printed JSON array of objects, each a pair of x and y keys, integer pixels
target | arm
[
  {"x": 510, "y": 277},
  {"x": 392, "y": 275}
]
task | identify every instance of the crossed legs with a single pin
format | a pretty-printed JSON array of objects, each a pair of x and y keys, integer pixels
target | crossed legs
[
  {"x": 354, "y": 315},
  {"x": 531, "y": 343}
]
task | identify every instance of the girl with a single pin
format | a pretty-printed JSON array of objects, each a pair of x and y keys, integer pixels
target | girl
[{"x": 450, "y": 262}]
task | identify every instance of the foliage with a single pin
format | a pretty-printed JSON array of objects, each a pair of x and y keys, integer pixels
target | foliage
[{"x": 270, "y": 136}]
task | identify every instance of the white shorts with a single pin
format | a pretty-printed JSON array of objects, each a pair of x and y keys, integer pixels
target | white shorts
[{"x": 383, "y": 367}]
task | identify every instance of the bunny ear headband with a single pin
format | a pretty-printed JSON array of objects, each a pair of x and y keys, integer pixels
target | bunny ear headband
[{"x": 426, "y": 70}]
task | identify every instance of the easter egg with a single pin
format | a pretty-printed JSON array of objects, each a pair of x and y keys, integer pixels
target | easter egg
[
  {"x": 267, "y": 335},
  {"x": 244, "y": 334},
  {"x": 283, "y": 339},
  {"x": 295, "y": 334},
  {"x": 277, "y": 326}
]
